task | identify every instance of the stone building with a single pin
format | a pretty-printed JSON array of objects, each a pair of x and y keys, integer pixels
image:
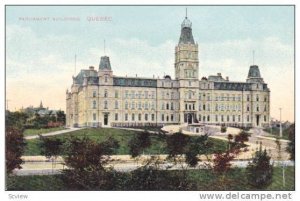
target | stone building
[{"x": 98, "y": 98}]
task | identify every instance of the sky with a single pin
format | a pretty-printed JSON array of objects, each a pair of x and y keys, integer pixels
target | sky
[{"x": 40, "y": 54}]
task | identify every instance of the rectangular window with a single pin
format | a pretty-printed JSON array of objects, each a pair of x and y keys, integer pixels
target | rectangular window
[
  {"x": 126, "y": 117},
  {"x": 94, "y": 94},
  {"x": 132, "y": 117},
  {"x": 116, "y": 116},
  {"x": 94, "y": 116},
  {"x": 162, "y": 117},
  {"x": 146, "y": 117},
  {"x": 152, "y": 117},
  {"x": 140, "y": 117},
  {"x": 265, "y": 118},
  {"x": 217, "y": 118},
  {"x": 126, "y": 94},
  {"x": 248, "y": 118},
  {"x": 146, "y": 94},
  {"x": 116, "y": 94},
  {"x": 248, "y": 97},
  {"x": 116, "y": 105},
  {"x": 172, "y": 117}
]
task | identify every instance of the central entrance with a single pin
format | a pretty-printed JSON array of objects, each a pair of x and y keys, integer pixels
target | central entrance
[
  {"x": 257, "y": 120},
  {"x": 189, "y": 118},
  {"x": 105, "y": 119}
]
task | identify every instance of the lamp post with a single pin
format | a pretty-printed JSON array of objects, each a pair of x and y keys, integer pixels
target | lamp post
[{"x": 280, "y": 132}]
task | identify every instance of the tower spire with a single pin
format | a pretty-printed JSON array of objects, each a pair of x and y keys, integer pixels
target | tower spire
[
  {"x": 186, "y": 13},
  {"x": 104, "y": 47}
]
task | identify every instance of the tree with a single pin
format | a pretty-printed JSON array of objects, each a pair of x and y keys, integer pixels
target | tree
[
  {"x": 259, "y": 172},
  {"x": 197, "y": 146},
  {"x": 139, "y": 143},
  {"x": 61, "y": 116},
  {"x": 151, "y": 178},
  {"x": 291, "y": 145},
  {"x": 240, "y": 139},
  {"x": 86, "y": 160},
  {"x": 15, "y": 119},
  {"x": 223, "y": 129},
  {"x": 51, "y": 147},
  {"x": 14, "y": 144},
  {"x": 176, "y": 144}
]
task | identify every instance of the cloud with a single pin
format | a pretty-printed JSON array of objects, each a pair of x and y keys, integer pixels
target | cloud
[{"x": 40, "y": 67}]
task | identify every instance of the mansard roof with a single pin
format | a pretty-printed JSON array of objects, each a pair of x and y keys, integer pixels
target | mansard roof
[
  {"x": 134, "y": 82},
  {"x": 84, "y": 73},
  {"x": 254, "y": 72},
  {"x": 104, "y": 63},
  {"x": 236, "y": 86}
]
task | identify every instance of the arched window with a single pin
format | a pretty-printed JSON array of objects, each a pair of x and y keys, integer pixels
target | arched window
[
  {"x": 105, "y": 104},
  {"x": 94, "y": 104},
  {"x": 116, "y": 105}
]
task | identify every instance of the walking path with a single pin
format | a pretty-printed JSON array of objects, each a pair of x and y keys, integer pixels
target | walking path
[
  {"x": 53, "y": 133},
  {"x": 47, "y": 168}
]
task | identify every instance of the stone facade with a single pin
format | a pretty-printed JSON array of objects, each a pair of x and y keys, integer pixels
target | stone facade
[{"x": 100, "y": 99}]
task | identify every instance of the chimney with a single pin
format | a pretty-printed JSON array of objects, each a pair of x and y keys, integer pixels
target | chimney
[
  {"x": 219, "y": 74},
  {"x": 91, "y": 68},
  {"x": 227, "y": 78}
]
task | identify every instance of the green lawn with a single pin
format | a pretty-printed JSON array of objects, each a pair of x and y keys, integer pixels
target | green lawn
[
  {"x": 205, "y": 180},
  {"x": 31, "y": 131},
  {"x": 275, "y": 132},
  {"x": 123, "y": 136},
  {"x": 237, "y": 180}
]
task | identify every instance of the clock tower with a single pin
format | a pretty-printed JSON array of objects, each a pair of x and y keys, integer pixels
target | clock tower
[{"x": 186, "y": 54}]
